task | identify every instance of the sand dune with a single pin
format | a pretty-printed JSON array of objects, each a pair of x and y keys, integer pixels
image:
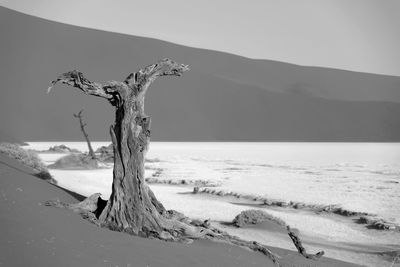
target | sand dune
[{"x": 224, "y": 97}]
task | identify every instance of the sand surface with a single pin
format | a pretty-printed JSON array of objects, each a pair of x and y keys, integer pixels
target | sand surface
[{"x": 35, "y": 235}]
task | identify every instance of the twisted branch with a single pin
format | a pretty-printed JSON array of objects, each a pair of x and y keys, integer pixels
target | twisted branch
[
  {"x": 76, "y": 79},
  {"x": 144, "y": 77}
]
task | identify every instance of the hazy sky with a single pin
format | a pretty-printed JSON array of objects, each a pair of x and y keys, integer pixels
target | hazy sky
[{"x": 361, "y": 35}]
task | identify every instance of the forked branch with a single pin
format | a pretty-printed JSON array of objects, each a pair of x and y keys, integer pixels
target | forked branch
[{"x": 112, "y": 91}]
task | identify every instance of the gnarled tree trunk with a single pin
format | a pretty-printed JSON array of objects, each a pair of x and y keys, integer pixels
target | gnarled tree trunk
[{"x": 130, "y": 207}]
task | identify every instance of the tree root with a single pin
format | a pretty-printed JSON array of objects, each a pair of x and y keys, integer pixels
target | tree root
[
  {"x": 86, "y": 208},
  {"x": 296, "y": 241},
  {"x": 252, "y": 245},
  {"x": 179, "y": 228}
]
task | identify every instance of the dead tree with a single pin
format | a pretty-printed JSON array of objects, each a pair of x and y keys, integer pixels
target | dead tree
[
  {"x": 82, "y": 124},
  {"x": 132, "y": 206}
]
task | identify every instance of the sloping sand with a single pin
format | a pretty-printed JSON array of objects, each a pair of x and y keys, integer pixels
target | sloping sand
[{"x": 35, "y": 235}]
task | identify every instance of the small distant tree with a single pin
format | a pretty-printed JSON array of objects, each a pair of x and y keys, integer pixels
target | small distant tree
[{"x": 79, "y": 116}]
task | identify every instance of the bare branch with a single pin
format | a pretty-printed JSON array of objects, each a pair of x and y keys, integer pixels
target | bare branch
[
  {"x": 144, "y": 77},
  {"x": 79, "y": 114},
  {"x": 76, "y": 79}
]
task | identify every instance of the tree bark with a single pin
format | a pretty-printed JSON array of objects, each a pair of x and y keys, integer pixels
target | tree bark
[
  {"x": 82, "y": 125},
  {"x": 130, "y": 207}
]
